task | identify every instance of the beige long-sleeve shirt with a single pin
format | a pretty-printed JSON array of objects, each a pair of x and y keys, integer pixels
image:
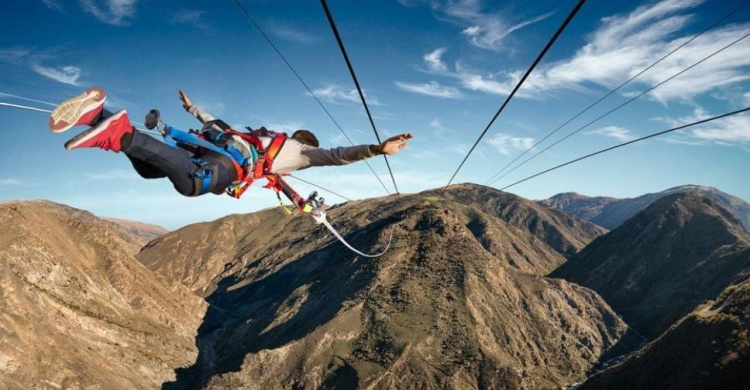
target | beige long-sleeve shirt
[{"x": 295, "y": 156}]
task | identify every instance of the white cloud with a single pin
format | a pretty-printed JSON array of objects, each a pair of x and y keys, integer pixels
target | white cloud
[
  {"x": 616, "y": 132},
  {"x": 14, "y": 55},
  {"x": 732, "y": 129},
  {"x": 66, "y": 74},
  {"x": 286, "y": 126},
  {"x": 114, "y": 12},
  {"x": 434, "y": 60},
  {"x": 432, "y": 88},
  {"x": 290, "y": 33},
  {"x": 504, "y": 143},
  {"x": 338, "y": 95},
  {"x": 484, "y": 30},
  {"x": 190, "y": 17},
  {"x": 115, "y": 174},
  {"x": 10, "y": 182},
  {"x": 53, "y": 5},
  {"x": 622, "y": 46}
]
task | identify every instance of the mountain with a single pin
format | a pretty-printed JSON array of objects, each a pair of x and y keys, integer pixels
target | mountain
[
  {"x": 612, "y": 212},
  {"x": 448, "y": 306},
  {"x": 661, "y": 264},
  {"x": 708, "y": 349},
  {"x": 79, "y": 311},
  {"x": 137, "y": 234}
]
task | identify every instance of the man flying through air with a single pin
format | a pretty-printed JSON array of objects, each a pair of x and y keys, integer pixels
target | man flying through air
[{"x": 218, "y": 161}]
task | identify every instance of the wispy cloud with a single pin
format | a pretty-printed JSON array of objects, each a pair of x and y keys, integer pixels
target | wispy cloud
[
  {"x": 290, "y": 33},
  {"x": 432, "y": 88},
  {"x": 484, "y": 30},
  {"x": 285, "y": 126},
  {"x": 434, "y": 60},
  {"x": 114, "y": 12},
  {"x": 10, "y": 182},
  {"x": 733, "y": 130},
  {"x": 621, "y": 46},
  {"x": 616, "y": 132},
  {"x": 65, "y": 74},
  {"x": 115, "y": 174},
  {"x": 338, "y": 95},
  {"x": 192, "y": 18},
  {"x": 14, "y": 55},
  {"x": 53, "y": 5},
  {"x": 505, "y": 143}
]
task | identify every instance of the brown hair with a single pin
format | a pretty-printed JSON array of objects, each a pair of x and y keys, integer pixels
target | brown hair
[{"x": 306, "y": 137}]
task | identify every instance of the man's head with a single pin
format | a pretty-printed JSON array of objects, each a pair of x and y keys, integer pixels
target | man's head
[{"x": 306, "y": 137}]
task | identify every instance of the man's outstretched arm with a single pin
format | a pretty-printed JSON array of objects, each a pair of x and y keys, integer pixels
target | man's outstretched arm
[{"x": 296, "y": 156}]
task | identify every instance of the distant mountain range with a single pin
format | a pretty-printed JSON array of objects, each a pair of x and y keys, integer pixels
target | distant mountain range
[
  {"x": 461, "y": 300},
  {"x": 612, "y": 212}
]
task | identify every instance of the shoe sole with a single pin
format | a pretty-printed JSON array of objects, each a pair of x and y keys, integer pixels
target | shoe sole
[
  {"x": 92, "y": 132},
  {"x": 67, "y": 114}
]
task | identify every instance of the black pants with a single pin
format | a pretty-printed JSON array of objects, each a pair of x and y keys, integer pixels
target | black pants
[{"x": 153, "y": 159}]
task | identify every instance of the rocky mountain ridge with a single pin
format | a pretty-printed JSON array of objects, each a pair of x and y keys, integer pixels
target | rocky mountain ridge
[{"x": 611, "y": 212}]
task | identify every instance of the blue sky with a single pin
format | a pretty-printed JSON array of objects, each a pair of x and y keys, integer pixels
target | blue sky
[{"x": 437, "y": 69}]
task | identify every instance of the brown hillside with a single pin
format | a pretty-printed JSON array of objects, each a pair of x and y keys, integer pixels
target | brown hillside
[
  {"x": 661, "y": 264},
  {"x": 708, "y": 349},
  {"x": 78, "y": 311},
  {"x": 292, "y": 308}
]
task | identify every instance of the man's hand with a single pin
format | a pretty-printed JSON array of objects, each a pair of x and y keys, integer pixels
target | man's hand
[
  {"x": 185, "y": 100},
  {"x": 395, "y": 144}
]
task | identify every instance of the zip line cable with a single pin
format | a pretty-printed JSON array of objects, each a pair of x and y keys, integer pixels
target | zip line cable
[
  {"x": 302, "y": 81},
  {"x": 319, "y": 187},
  {"x": 25, "y": 107},
  {"x": 520, "y": 82},
  {"x": 28, "y": 99},
  {"x": 617, "y": 89},
  {"x": 627, "y": 143},
  {"x": 356, "y": 83},
  {"x": 34, "y": 109},
  {"x": 619, "y": 107},
  {"x": 149, "y": 132}
]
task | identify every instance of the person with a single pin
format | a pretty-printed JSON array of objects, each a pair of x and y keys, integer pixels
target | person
[{"x": 230, "y": 158}]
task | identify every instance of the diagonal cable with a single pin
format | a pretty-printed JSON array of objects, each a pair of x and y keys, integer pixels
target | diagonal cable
[
  {"x": 627, "y": 143},
  {"x": 520, "y": 82},
  {"x": 302, "y": 81},
  {"x": 621, "y": 106},
  {"x": 617, "y": 89},
  {"x": 319, "y": 187},
  {"x": 356, "y": 83}
]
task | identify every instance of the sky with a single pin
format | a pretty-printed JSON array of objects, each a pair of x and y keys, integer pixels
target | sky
[{"x": 438, "y": 69}]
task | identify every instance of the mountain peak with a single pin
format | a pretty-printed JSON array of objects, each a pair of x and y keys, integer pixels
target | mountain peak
[{"x": 681, "y": 250}]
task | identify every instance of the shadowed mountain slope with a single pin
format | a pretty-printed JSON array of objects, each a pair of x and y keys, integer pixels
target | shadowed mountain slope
[
  {"x": 661, "y": 264},
  {"x": 612, "y": 212},
  {"x": 708, "y": 349},
  {"x": 293, "y": 308},
  {"x": 79, "y": 311}
]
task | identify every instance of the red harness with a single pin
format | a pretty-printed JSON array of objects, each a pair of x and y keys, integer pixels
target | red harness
[{"x": 262, "y": 167}]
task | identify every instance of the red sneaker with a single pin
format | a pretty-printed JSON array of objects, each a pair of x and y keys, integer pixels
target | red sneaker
[
  {"x": 106, "y": 135},
  {"x": 80, "y": 110}
]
